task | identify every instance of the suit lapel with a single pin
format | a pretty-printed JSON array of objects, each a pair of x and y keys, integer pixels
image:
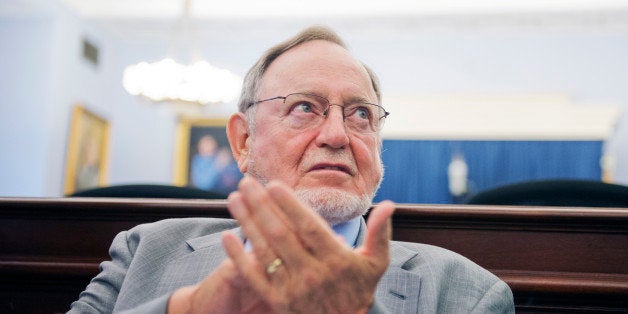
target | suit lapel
[
  {"x": 205, "y": 254},
  {"x": 210, "y": 240},
  {"x": 398, "y": 289}
]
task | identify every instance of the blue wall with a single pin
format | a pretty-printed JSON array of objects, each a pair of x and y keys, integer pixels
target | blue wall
[
  {"x": 23, "y": 140},
  {"x": 416, "y": 171}
]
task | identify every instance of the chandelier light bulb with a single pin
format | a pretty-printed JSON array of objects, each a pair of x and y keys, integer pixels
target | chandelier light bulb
[{"x": 168, "y": 80}]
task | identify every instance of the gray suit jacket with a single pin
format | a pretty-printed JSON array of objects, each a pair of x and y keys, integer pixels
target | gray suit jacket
[{"x": 150, "y": 261}]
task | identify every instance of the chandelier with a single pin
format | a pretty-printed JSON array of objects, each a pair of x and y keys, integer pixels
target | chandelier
[{"x": 168, "y": 80}]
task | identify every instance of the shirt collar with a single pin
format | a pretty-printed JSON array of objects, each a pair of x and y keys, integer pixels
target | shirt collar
[{"x": 348, "y": 230}]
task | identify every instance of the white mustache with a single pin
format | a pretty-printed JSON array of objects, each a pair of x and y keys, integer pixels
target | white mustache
[{"x": 340, "y": 157}]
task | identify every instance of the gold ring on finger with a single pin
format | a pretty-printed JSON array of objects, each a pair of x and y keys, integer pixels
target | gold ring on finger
[{"x": 272, "y": 267}]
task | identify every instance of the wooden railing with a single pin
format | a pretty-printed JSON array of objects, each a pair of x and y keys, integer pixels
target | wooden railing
[{"x": 554, "y": 259}]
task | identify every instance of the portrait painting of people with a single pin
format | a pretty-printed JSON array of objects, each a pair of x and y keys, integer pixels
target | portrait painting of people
[
  {"x": 205, "y": 159},
  {"x": 86, "y": 158}
]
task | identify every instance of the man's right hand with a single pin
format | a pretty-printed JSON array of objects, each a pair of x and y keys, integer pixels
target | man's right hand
[{"x": 223, "y": 291}]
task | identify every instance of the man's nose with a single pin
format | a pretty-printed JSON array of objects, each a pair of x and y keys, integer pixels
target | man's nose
[{"x": 333, "y": 131}]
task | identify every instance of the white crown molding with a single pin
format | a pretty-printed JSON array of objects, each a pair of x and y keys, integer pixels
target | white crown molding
[
  {"x": 402, "y": 26},
  {"x": 324, "y": 8},
  {"x": 491, "y": 117}
]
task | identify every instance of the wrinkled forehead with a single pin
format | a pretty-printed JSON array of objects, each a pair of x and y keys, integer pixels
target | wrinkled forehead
[{"x": 317, "y": 66}]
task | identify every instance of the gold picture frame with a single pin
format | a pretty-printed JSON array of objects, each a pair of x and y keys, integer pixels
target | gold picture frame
[
  {"x": 203, "y": 157},
  {"x": 88, "y": 147}
]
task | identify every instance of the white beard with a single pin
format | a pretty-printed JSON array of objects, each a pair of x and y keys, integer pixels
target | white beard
[{"x": 335, "y": 206}]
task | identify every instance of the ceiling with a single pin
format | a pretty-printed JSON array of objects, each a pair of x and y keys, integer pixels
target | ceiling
[
  {"x": 149, "y": 20},
  {"x": 160, "y": 9}
]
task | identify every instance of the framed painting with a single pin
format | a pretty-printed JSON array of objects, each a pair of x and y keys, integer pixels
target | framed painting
[
  {"x": 203, "y": 156},
  {"x": 86, "y": 157}
]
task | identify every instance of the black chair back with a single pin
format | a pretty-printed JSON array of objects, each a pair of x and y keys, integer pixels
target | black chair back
[
  {"x": 576, "y": 193},
  {"x": 149, "y": 191}
]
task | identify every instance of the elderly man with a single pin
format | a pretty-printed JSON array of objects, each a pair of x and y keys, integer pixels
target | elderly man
[{"x": 307, "y": 138}]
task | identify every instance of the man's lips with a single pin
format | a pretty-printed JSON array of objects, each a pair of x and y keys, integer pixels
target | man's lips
[{"x": 333, "y": 167}]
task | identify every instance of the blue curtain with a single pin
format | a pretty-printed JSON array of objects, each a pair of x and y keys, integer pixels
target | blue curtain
[{"x": 416, "y": 170}]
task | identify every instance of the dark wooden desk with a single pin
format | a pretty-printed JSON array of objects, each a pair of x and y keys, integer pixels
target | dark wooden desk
[{"x": 554, "y": 259}]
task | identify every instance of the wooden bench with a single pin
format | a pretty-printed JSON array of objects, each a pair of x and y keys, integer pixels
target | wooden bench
[{"x": 555, "y": 259}]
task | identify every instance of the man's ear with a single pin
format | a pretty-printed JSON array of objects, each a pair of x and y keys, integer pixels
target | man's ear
[{"x": 238, "y": 134}]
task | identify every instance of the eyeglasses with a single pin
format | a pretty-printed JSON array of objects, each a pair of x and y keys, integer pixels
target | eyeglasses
[{"x": 304, "y": 111}]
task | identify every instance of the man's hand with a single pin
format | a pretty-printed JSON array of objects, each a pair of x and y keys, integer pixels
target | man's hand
[{"x": 317, "y": 271}]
